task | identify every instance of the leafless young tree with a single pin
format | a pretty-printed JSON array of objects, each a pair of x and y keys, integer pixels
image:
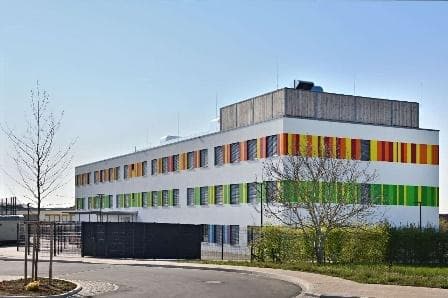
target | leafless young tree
[
  {"x": 41, "y": 164},
  {"x": 318, "y": 194}
]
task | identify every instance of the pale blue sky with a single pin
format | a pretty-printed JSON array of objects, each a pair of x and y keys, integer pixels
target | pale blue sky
[{"x": 122, "y": 70}]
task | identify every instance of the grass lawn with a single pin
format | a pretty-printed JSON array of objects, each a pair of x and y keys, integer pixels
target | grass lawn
[{"x": 405, "y": 275}]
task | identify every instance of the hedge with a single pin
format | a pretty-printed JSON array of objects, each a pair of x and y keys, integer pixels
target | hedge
[{"x": 368, "y": 245}]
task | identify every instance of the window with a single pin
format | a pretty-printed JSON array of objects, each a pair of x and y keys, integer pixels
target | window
[
  {"x": 117, "y": 201},
  {"x": 204, "y": 195},
  {"x": 175, "y": 197},
  {"x": 155, "y": 197},
  {"x": 125, "y": 172},
  {"x": 176, "y": 163},
  {"x": 144, "y": 168},
  {"x": 165, "y": 202},
  {"x": 127, "y": 199},
  {"x": 165, "y": 165},
  {"x": 88, "y": 178},
  {"x": 190, "y": 160},
  {"x": 111, "y": 201},
  {"x": 234, "y": 194},
  {"x": 252, "y": 149},
  {"x": 234, "y": 152},
  {"x": 271, "y": 142},
  {"x": 218, "y": 194},
  {"x": 102, "y": 176},
  {"x": 234, "y": 234},
  {"x": 218, "y": 234},
  {"x": 252, "y": 193},
  {"x": 271, "y": 188},
  {"x": 145, "y": 199},
  {"x": 111, "y": 174},
  {"x": 219, "y": 156},
  {"x": 117, "y": 173},
  {"x": 203, "y": 158},
  {"x": 154, "y": 167},
  {"x": 95, "y": 177},
  {"x": 190, "y": 196},
  {"x": 205, "y": 233}
]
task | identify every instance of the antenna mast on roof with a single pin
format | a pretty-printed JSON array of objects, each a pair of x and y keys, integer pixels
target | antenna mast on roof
[
  {"x": 277, "y": 71},
  {"x": 178, "y": 124}
]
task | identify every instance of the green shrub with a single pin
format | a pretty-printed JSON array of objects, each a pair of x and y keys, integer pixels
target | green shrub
[{"x": 283, "y": 244}]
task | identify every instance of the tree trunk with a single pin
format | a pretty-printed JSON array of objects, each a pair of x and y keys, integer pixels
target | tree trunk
[{"x": 319, "y": 247}]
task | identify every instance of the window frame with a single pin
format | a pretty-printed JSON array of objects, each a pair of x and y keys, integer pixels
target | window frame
[
  {"x": 190, "y": 196},
  {"x": 219, "y": 162},
  {"x": 248, "y": 149},
  {"x": 234, "y": 188},
  {"x": 235, "y": 147}
]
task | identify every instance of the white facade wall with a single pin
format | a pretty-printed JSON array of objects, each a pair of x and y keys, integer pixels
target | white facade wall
[{"x": 250, "y": 171}]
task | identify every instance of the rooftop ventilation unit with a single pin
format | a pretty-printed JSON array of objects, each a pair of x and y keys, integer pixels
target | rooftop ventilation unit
[{"x": 303, "y": 85}]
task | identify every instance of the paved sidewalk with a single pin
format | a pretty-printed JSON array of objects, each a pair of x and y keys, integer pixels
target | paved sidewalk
[{"x": 313, "y": 285}]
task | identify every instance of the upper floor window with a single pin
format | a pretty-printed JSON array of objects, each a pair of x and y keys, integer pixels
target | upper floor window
[
  {"x": 111, "y": 174},
  {"x": 127, "y": 200},
  {"x": 96, "y": 177},
  {"x": 165, "y": 200},
  {"x": 234, "y": 152},
  {"x": 190, "y": 160},
  {"x": 102, "y": 176},
  {"x": 203, "y": 154},
  {"x": 145, "y": 199},
  {"x": 204, "y": 195},
  {"x": 154, "y": 167},
  {"x": 252, "y": 192},
  {"x": 125, "y": 171},
  {"x": 176, "y": 163},
  {"x": 271, "y": 142},
  {"x": 144, "y": 168},
  {"x": 155, "y": 198},
  {"x": 234, "y": 194},
  {"x": 175, "y": 197},
  {"x": 271, "y": 190},
  {"x": 117, "y": 173},
  {"x": 219, "y": 194},
  {"x": 190, "y": 196},
  {"x": 88, "y": 178},
  {"x": 219, "y": 156},
  {"x": 251, "y": 149},
  {"x": 165, "y": 165}
]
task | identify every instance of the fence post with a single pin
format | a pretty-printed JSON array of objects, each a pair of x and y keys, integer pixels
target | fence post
[
  {"x": 50, "y": 266},
  {"x": 26, "y": 253},
  {"x": 222, "y": 242},
  {"x": 54, "y": 239},
  {"x": 251, "y": 244},
  {"x": 17, "y": 236},
  {"x": 83, "y": 232}
]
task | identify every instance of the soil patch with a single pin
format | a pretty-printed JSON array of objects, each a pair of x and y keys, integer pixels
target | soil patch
[{"x": 17, "y": 287}]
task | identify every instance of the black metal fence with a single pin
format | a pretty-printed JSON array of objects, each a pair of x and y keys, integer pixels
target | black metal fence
[
  {"x": 141, "y": 240},
  {"x": 65, "y": 237},
  {"x": 223, "y": 242}
]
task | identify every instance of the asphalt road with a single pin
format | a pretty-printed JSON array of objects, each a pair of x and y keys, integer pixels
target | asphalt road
[{"x": 143, "y": 281}]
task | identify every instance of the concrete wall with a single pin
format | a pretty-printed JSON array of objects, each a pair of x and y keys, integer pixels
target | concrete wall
[{"x": 319, "y": 105}]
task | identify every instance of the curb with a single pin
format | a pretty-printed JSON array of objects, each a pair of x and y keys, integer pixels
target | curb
[
  {"x": 306, "y": 287},
  {"x": 63, "y": 295}
]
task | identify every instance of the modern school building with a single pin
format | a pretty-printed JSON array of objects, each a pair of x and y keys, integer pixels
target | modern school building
[{"x": 212, "y": 179}]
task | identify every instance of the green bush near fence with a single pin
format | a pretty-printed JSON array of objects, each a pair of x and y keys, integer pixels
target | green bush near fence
[{"x": 369, "y": 245}]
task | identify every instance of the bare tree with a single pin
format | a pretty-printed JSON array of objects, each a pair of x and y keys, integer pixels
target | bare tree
[
  {"x": 318, "y": 194},
  {"x": 41, "y": 164}
]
